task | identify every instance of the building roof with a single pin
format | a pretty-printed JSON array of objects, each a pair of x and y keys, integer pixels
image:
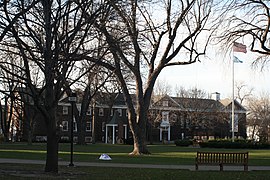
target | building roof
[
  {"x": 117, "y": 100},
  {"x": 196, "y": 104},
  {"x": 227, "y": 103},
  {"x": 116, "y": 119}
]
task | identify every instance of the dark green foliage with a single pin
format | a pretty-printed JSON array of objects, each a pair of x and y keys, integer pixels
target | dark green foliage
[
  {"x": 129, "y": 141},
  {"x": 185, "y": 142},
  {"x": 238, "y": 144},
  {"x": 2, "y": 138}
]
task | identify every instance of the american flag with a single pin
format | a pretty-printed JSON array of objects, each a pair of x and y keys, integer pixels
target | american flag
[{"x": 239, "y": 47}]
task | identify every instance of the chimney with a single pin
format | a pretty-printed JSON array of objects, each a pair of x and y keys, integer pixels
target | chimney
[{"x": 215, "y": 96}]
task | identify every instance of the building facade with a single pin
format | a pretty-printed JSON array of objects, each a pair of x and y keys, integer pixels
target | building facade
[{"x": 169, "y": 119}]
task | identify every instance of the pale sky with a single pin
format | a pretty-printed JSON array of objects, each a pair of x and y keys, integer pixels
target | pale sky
[{"x": 214, "y": 74}]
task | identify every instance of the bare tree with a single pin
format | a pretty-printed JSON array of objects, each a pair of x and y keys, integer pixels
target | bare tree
[
  {"x": 144, "y": 44},
  {"x": 92, "y": 84},
  {"x": 248, "y": 20},
  {"x": 47, "y": 35},
  {"x": 259, "y": 116},
  {"x": 190, "y": 93},
  {"x": 161, "y": 89},
  {"x": 6, "y": 118},
  {"x": 12, "y": 103},
  {"x": 242, "y": 92}
]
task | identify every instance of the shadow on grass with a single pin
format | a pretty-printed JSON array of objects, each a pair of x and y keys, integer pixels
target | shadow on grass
[{"x": 16, "y": 171}]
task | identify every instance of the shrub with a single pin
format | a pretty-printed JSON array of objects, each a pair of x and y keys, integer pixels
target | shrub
[
  {"x": 2, "y": 138},
  {"x": 184, "y": 142},
  {"x": 129, "y": 141},
  {"x": 237, "y": 144}
]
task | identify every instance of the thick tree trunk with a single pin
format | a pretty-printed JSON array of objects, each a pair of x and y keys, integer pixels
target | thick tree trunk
[
  {"x": 140, "y": 146},
  {"x": 29, "y": 137},
  {"x": 52, "y": 153},
  {"x": 52, "y": 131},
  {"x": 52, "y": 147},
  {"x": 81, "y": 129},
  {"x": 139, "y": 136}
]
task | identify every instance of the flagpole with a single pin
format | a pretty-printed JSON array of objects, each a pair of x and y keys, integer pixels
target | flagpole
[
  {"x": 237, "y": 47},
  {"x": 232, "y": 99}
]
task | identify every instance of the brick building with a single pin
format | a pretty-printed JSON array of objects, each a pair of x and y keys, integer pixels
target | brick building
[{"x": 170, "y": 118}]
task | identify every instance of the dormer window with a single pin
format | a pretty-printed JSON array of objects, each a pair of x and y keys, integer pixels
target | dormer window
[{"x": 165, "y": 103}]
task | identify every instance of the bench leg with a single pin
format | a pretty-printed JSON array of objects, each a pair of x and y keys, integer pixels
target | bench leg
[
  {"x": 245, "y": 168},
  {"x": 221, "y": 167},
  {"x": 196, "y": 167}
]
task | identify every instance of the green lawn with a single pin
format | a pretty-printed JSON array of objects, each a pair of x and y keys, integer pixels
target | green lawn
[
  {"x": 34, "y": 172},
  {"x": 161, "y": 154}
]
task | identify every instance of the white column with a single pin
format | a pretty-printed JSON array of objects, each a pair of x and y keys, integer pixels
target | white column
[
  {"x": 160, "y": 134},
  {"x": 125, "y": 131},
  {"x": 106, "y": 135},
  {"x": 113, "y": 141},
  {"x": 169, "y": 133}
]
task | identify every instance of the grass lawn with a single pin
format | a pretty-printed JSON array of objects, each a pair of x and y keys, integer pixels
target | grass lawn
[
  {"x": 29, "y": 172},
  {"x": 161, "y": 154}
]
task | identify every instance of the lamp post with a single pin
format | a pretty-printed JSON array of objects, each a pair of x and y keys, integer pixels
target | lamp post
[{"x": 71, "y": 99}]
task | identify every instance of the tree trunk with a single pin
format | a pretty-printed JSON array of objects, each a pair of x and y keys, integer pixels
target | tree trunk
[
  {"x": 139, "y": 137},
  {"x": 29, "y": 137},
  {"x": 52, "y": 153},
  {"x": 30, "y": 119},
  {"x": 81, "y": 129},
  {"x": 140, "y": 146},
  {"x": 52, "y": 147},
  {"x": 93, "y": 123}
]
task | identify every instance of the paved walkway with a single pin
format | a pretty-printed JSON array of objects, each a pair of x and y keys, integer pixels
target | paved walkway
[{"x": 111, "y": 164}]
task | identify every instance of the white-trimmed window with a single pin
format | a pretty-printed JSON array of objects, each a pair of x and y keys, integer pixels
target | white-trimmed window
[
  {"x": 74, "y": 126},
  {"x": 65, "y": 109},
  {"x": 165, "y": 116},
  {"x": 64, "y": 125},
  {"x": 103, "y": 126},
  {"x": 101, "y": 112},
  {"x": 119, "y": 112},
  {"x": 89, "y": 111},
  {"x": 182, "y": 123},
  {"x": 126, "y": 113},
  {"x": 187, "y": 123},
  {"x": 112, "y": 112},
  {"x": 88, "y": 126},
  {"x": 165, "y": 103},
  {"x": 88, "y": 139}
]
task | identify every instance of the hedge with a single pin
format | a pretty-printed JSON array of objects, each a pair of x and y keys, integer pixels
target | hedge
[
  {"x": 185, "y": 142},
  {"x": 238, "y": 144}
]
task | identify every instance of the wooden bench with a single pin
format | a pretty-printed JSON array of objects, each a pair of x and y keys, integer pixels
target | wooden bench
[{"x": 221, "y": 158}]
